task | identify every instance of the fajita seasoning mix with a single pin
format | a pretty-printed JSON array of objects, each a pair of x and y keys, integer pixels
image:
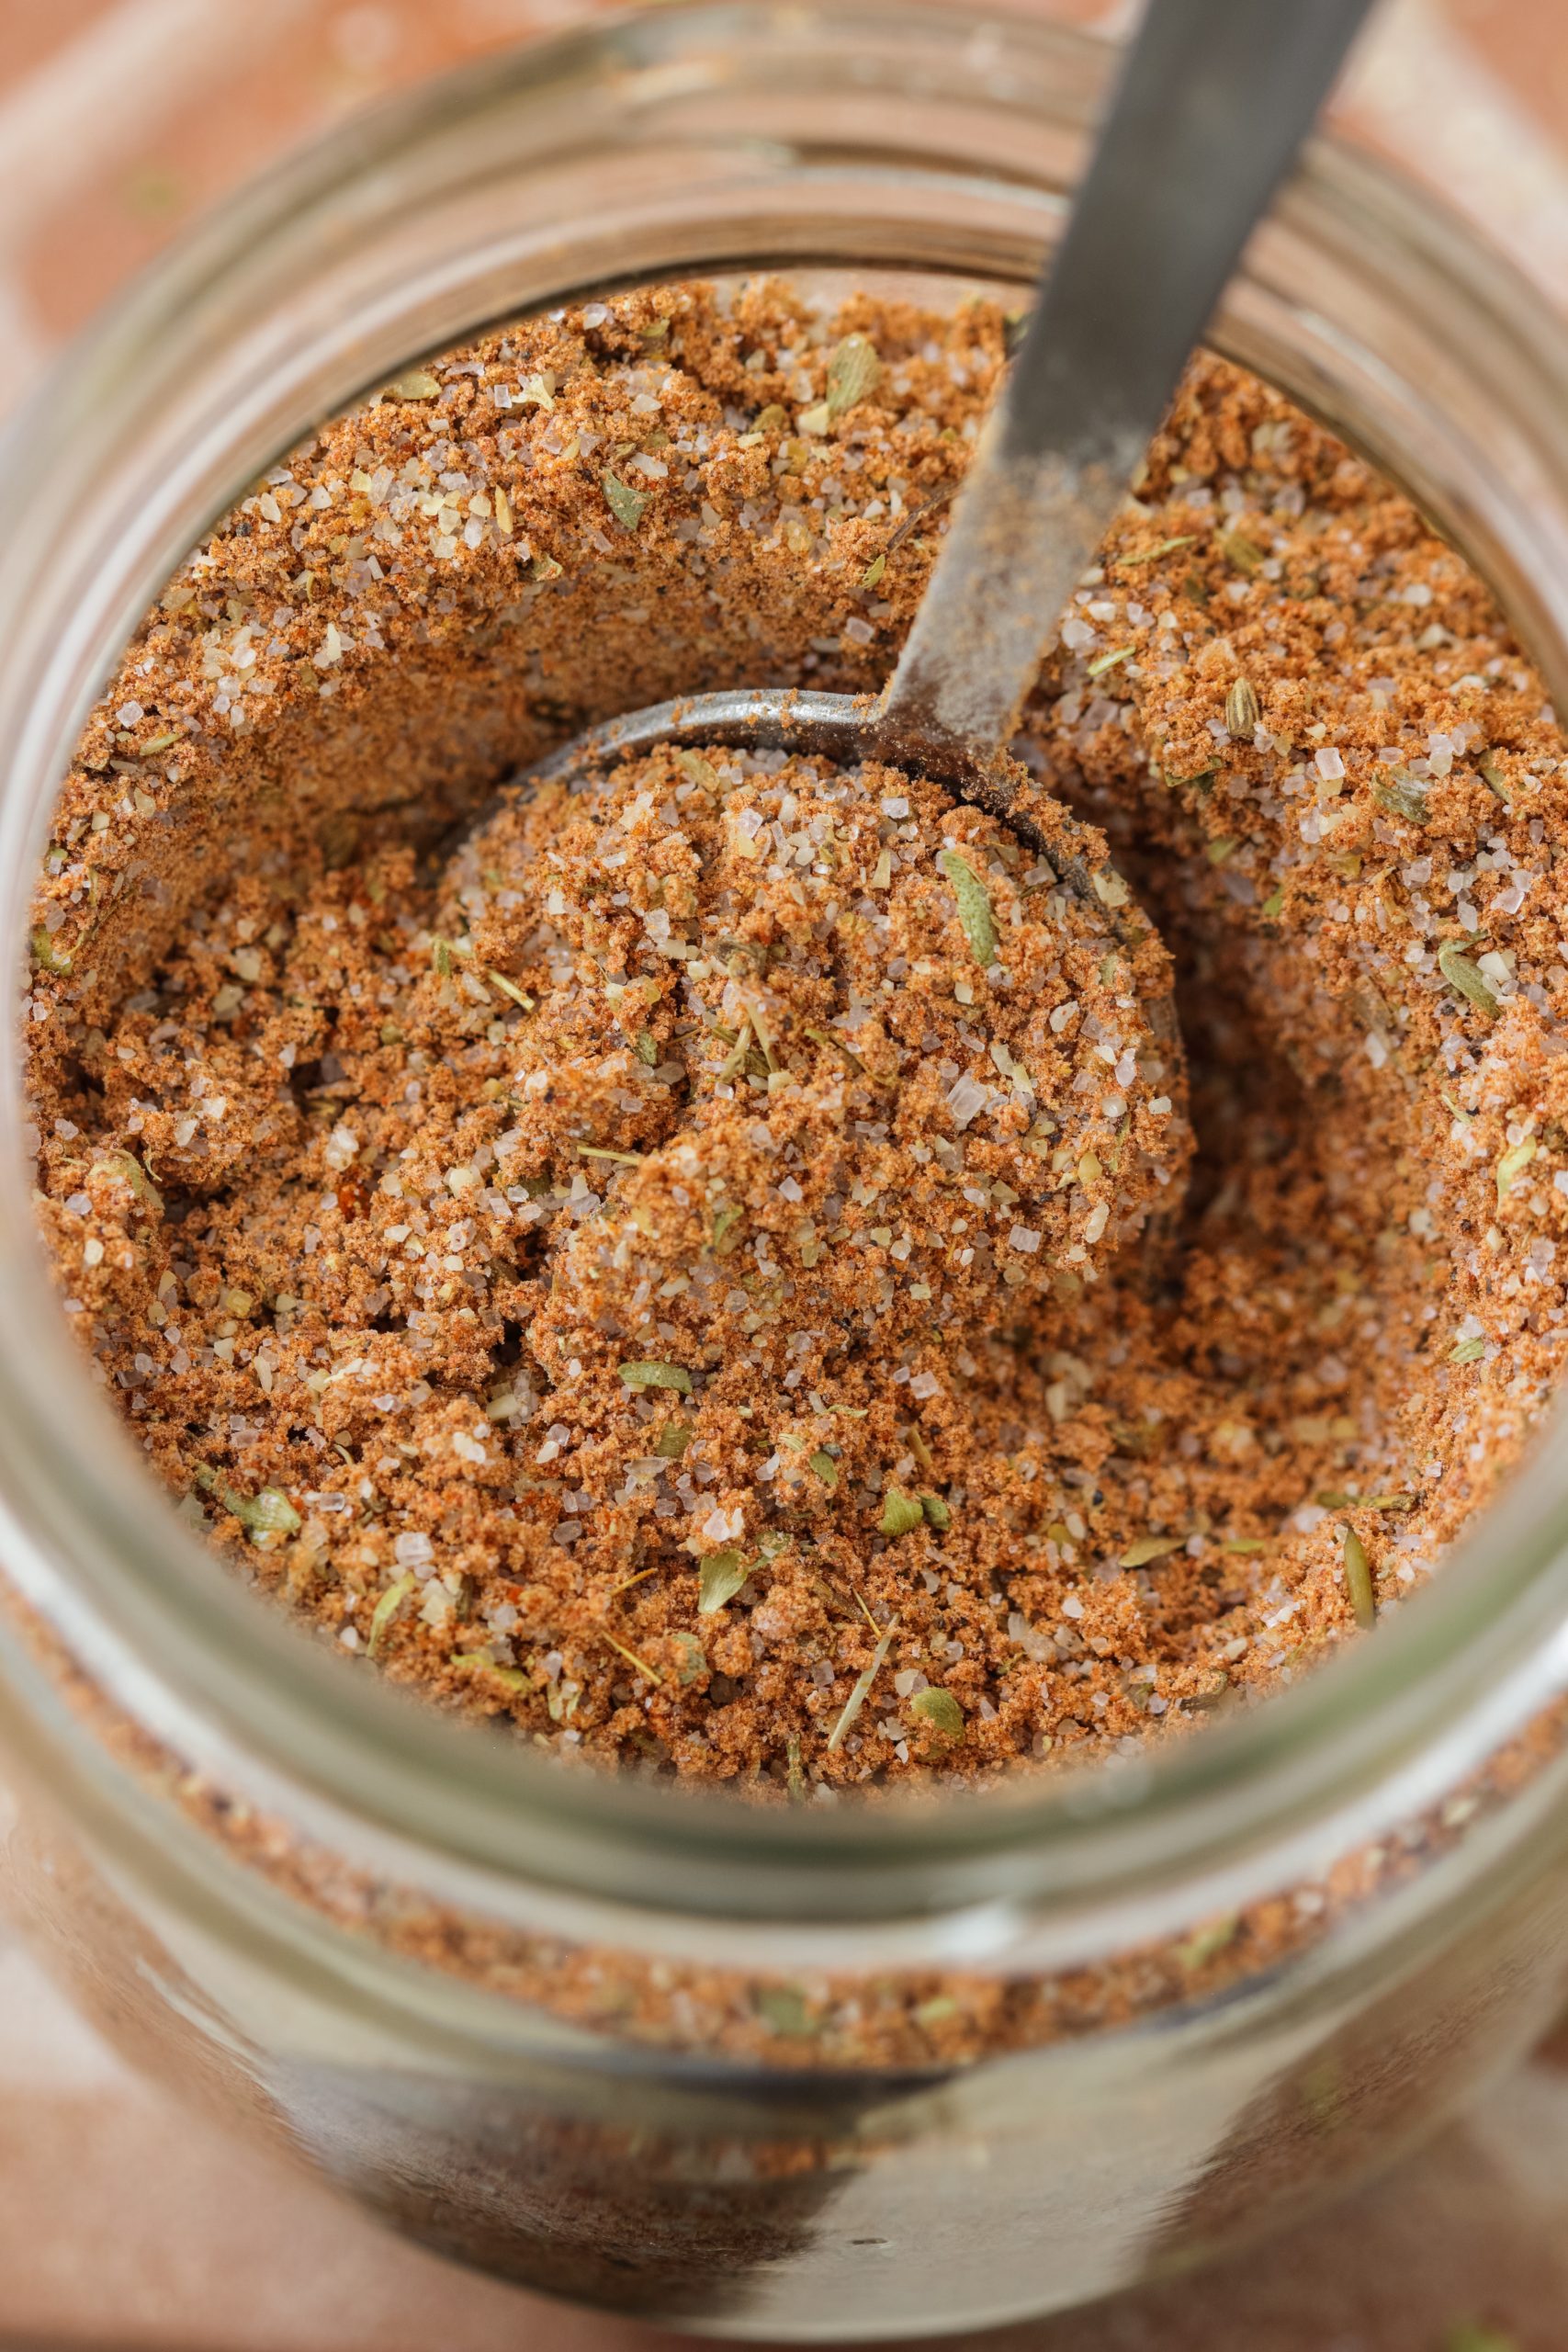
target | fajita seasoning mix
[{"x": 729, "y": 1270}]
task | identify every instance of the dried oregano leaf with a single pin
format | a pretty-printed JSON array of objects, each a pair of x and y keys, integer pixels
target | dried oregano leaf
[
  {"x": 1467, "y": 1350},
  {"x": 974, "y": 907},
  {"x": 624, "y": 503},
  {"x": 1468, "y": 978},
  {"x": 46, "y": 955},
  {"x": 672, "y": 1440},
  {"x": 1359, "y": 1580},
  {"x": 1512, "y": 1166},
  {"x": 719, "y": 1579},
  {"x": 386, "y": 1608},
  {"x": 1239, "y": 551},
  {"x": 827, "y": 1469},
  {"x": 267, "y": 1512},
  {"x": 901, "y": 1513},
  {"x": 1243, "y": 709},
  {"x": 724, "y": 1237},
  {"x": 1206, "y": 1941},
  {"x": 127, "y": 1165},
  {"x": 853, "y": 371},
  {"x": 1403, "y": 797},
  {"x": 938, "y": 1514},
  {"x": 940, "y": 1710},
  {"x": 701, "y": 771},
  {"x": 783, "y": 2008},
  {"x": 1150, "y": 1547},
  {"x": 657, "y": 1375},
  {"x": 475, "y": 1662},
  {"x": 693, "y": 1657}
]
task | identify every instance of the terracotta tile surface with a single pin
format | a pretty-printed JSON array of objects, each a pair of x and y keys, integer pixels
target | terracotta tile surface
[{"x": 125, "y": 2221}]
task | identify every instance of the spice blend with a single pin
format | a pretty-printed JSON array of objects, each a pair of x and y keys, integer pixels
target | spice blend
[{"x": 715, "y": 1268}]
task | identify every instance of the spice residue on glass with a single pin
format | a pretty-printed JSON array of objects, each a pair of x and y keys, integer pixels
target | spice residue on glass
[{"x": 715, "y": 1268}]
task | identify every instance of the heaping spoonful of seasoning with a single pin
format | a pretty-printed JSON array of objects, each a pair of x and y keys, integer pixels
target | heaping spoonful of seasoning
[
  {"x": 807, "y": 882},
  {"x": 1215, "y": 98}
]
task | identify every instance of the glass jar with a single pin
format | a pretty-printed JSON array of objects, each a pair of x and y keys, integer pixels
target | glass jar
[{"x": 494, "y": 2000}]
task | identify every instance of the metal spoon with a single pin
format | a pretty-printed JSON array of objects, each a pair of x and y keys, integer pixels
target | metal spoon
[{"x": 1215, "y": 100}]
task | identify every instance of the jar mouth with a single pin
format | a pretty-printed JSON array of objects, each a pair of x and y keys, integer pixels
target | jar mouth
[{"x": 282, "y": 306}]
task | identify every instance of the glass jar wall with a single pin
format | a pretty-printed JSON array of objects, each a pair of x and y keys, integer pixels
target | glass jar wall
[{"x": 388, "y": 1940}]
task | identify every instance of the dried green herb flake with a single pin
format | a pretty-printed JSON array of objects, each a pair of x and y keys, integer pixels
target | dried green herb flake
[
  {"x": 974, "y": 907},
  {"x": 719, "y": 1579},
  {"x": 1494, "y": 778},
  {"x": 1358, "y": 1568},
  {"x": 783, "y": 2008},
  {"x": 854, "y": 372},
  {"x": 1240, "y": 552},
  {"x": 940, "y": 1710},
  {"x": 267, "y": 1512},
  {"x": 386, "y": 1609},
  {"x": 1468, "y": 978},
  {"x": 1205, "y": 1942},
  {"x": 657, "y": 1375},
  {"x": 1161, "y": 546},
  {"x": 475, "y": 1662},
  {"x": 125, "y": 1164},
  {"x": 700, "y": 772},
  {"x": 1403, "y": 797},
  {"x": 725, "y": 1236},
  {"x": 624, "y": 503},
  {"x": 1145, "y": 1548},
  {"x": 861, "y": 1691},
  {"x": 901, "y": 1513},
  {"x": 510, "y": 987},
  {"x": 46, "y": 955},
  {"x": 1243, "y": 709},
  {"x": 1512, "y": 1166}
]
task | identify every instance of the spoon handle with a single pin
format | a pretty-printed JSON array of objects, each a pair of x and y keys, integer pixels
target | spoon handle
[{"x": 1215, "y": 98}]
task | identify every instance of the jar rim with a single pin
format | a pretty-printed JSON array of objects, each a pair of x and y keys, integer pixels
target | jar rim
[{"x": 95, "y": 1548}]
